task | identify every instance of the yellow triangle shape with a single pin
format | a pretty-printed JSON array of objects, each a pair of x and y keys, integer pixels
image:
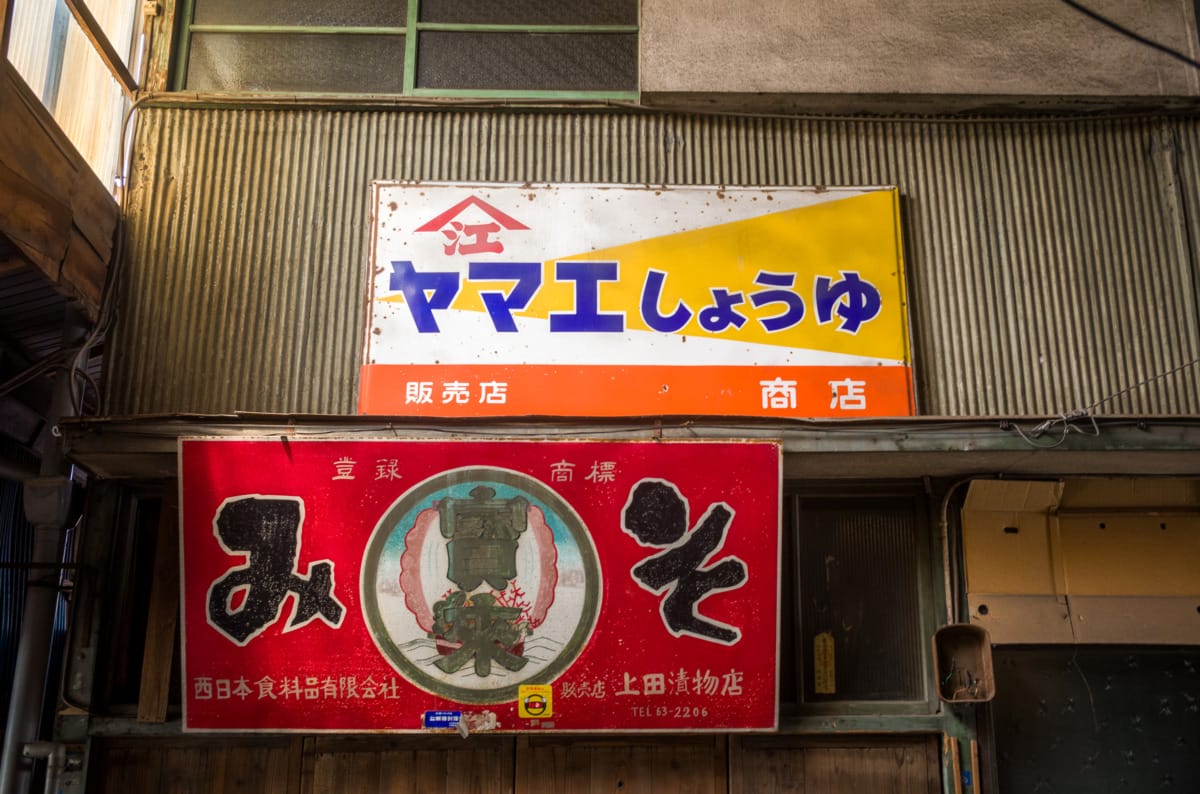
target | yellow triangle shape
[{"x": 857, "y": 235}]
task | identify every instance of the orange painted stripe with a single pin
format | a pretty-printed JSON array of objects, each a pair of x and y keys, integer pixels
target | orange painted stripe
[{"x": 436, "y": 390}]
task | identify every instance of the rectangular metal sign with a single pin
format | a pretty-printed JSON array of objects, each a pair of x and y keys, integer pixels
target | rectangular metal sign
[
  {"x": 384, "y": 585},
  {"x": 588, "y": 300}
]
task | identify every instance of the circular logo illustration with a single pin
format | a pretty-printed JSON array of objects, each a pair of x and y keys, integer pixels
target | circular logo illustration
[{"x": 479, "y": 580}]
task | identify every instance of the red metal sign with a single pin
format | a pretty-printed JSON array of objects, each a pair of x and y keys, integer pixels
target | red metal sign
[{"x": 363, "y": 585}]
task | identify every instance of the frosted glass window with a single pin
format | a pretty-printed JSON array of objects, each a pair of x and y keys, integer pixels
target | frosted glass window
[
  {"x": 527, "y": 61},
  {"x": 451, "y": 47},
  {"x": 531, "y": 12},
  {"x": 61, "y": 67},
  {"x": 366, "y": 13},
  {"x": 308, "y": 63}
]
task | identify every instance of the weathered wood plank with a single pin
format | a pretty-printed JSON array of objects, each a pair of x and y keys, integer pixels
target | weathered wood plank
[
  {"x": 95, "y": 212},
  {"x": 308, "y": 765},
  {"x": 576, "y": 767},
  {"x": 31, "y": 142},
  {"x": 279, "y": 770},
  {"x": 755, "y": 766},
  {"x": 37, "y": 223},
  {"x": 251, "y": 769},
  {"x": 33, "y": 146},
  {"x": 52, "y": 207},
  {"x": 720, "y": 756},
  {"x": 900, "y": 769},
  {"x": 232, "y": 766},
  {"x": 806, "y": 765},
  {"x": 425, "y": 765},
  {"x": 606, "y": 768},
  {"x": 159, "y": 59},
  {"x": 163, "y": 617},
  {"x": 396, "y": 773},
  {"x": 125, "y": 770},
  {"x": 191, "y": 772},
  {"x": 296, "y": 767},
  {"x": 665, "y": 765},
  {"x": 354, "y": 771},
  {"x": 82, "y": 273}
]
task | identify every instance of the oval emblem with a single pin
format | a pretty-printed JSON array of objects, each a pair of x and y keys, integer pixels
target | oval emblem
[{"x": 479, "y": 580}]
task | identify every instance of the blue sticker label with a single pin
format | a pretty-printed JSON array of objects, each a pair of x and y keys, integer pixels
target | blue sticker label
[{"x": 442, "y": 719}]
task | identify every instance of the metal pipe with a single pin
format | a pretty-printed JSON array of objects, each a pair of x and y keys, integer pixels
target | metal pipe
[
  {"x": 949, "y": 577},
  {"x": 29, "y": 676},
  {"x": 55, "y": 754},
  {"x": 41, "y": 593}
]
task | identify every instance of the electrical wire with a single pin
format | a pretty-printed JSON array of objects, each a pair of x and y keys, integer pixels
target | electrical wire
[
  {"x": 74, "y": 359},
  {"x": 51, "y": 362},
  {"x": 1068, "y": 419},
  {"x": 107, "y": 314},
  {"x": 1068, "y": 427},
  {"x": 1124, "y": 31},
  {"x": 1140, "y": 384}
]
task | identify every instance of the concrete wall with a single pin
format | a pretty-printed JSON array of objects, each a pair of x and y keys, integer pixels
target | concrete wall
[{"x": 867, "y": 54}]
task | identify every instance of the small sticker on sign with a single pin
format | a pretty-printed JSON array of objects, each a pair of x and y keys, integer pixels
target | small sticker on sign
[
  {"x": 442, "y": 719},
  {"x": 824, "y": 677},
  {"x": 535, "y": 701}
]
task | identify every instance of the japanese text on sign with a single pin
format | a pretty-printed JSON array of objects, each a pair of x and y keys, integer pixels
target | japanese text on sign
[
  {"x": 495, "y": 300},
  {"x": 386, "y": 580}
]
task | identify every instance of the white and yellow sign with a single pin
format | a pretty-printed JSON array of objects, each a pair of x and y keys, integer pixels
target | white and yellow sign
[{"x": 586, "y": 300}]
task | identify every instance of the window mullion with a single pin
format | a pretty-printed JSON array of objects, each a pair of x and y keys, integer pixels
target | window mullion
[
  {"x": 410, "y": 47},
  {"x": 473, "y": 27},
  {"x": 104, "y": 48},
  {"x": 301, "y": 30},
  {"x": 188, "y": 10}
]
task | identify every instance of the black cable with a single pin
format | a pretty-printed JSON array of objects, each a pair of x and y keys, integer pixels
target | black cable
[{"x": 1124, "y": 31}]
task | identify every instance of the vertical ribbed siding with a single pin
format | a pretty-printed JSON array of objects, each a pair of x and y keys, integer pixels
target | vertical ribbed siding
[{"x": 1050, "y": 264}]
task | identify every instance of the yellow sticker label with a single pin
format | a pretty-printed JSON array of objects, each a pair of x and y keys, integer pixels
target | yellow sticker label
[
  {"x": 824, "y": 677},
  {"x": 535, "y": 701}
]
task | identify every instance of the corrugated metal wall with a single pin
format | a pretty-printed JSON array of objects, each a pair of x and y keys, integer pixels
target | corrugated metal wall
[{"x": 1051, "y": 264}]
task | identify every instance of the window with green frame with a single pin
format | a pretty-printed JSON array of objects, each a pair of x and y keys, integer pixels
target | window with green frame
[{"x": 449, "y": 48}]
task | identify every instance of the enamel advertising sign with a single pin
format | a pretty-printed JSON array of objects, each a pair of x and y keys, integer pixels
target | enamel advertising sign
[
  {"x": 585, "y": 300},
  {"x": 404, "y": 586}
]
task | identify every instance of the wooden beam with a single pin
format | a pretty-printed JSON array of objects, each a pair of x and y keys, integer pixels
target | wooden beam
[
  {"x": 53, "y": 209},
  {"x": 164, "y": 616},
  {"x": 157, "y": 63},
  {"x": 82, "y": 274},
  {"x": 34, "y": 221},
  {"x": 11, "y": 261},
  {"x": 112, "y": 59}
]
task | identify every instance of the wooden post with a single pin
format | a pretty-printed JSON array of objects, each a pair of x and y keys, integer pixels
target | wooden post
[
  {"x": 157, "y": 61},
  {"x": 163, "y": 618},
  {"x": 976, "y": 783},
  {"x": 6, "y": 12}
]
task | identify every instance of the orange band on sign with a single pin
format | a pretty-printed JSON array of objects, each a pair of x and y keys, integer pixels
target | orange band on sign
[{"x": 475, "y": 390}]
